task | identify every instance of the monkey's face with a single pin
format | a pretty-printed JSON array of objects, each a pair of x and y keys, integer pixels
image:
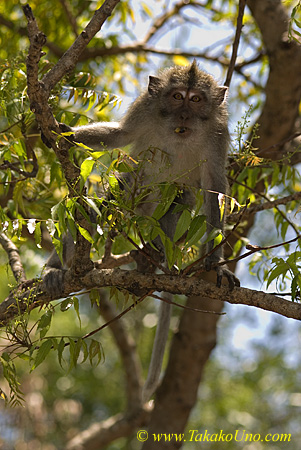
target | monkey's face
[
  {"x": 183, "y": 102},
  {"x": 183, "y": 110}
]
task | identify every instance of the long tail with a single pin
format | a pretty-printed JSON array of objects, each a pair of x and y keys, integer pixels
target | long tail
[{"x": 161, "y": 336}]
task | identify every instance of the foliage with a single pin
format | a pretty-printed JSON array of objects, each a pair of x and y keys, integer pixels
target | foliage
[
  {"x": 63, "y": 340},
  {"x": 295, "y": 23}
]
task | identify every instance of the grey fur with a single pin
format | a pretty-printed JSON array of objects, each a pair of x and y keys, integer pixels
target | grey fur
[{"x": 183, "y": 116}]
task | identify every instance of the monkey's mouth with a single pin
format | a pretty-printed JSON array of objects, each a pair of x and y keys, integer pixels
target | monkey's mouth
[{"x": 181, "y": 130}]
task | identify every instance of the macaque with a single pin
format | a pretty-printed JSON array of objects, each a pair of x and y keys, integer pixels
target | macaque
[{"x": 182, "y": 119}]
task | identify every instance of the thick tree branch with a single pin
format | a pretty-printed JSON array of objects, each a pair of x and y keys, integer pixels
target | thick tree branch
[
  {"x": 132, "y": 280},
  {"x": 13, "y": 258},
  {"x": 38, "y": 93},
  {"x": 191, "y": 286},
  {"x": 281, "y": 108}
]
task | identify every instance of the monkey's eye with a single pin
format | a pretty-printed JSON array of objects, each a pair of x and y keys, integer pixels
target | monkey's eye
[
  {"x": 178, "y": 96},
  {"x": 195, "y": 99}
]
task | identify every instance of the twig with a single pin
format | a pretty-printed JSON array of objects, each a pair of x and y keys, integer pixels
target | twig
[
  {"x": 161, "y": 21},
  {"x": 257, "y": 248},
  {"x": 68, "y": 61},
  {"x": 14, "y": 166},
  {"x": 239, "y": 25},
  {"x": 70, "y": 16},
  {"x": 117, "y": 317},
  {"x": 271, "y": 204},
  {"x": 170, "y": 302},
  {"x": 279, "y": 144},
  {"x": 188, "y": 269}
]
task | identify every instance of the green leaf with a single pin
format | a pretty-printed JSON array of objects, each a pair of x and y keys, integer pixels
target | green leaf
[
  {"x": 42, "y": 353},
  {"x": 72, "y": 351},
  {"x": 95, "y": 352},
  {"x": 84, "y": 348},
  {"x": 38, "y": 235},
  {"x": 86, "y": 168},
  {"x": 85, "y": 234},
  {"x": 66, "y": 304},
  {"x": 76, "y": 308},
  {"x": 58, "y": 245},
  {"x": 280, "y": 269},
  {"x": 60, "y": 350},
  {"x": 44, "y": 323},
  {"x": 93, "y": 205},
  {"x": 182, "y": 225},
  {"x": 196, "y": 230},
  {"x": 77, "y": 349},
  {"x": 169, "y": 193},
  {"x": 59, "y": 212},
  {"x": 94, "y": 297}
]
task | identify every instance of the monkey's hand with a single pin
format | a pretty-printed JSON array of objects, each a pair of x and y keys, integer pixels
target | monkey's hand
[
  {"x": 222, "y": 271},
  {"x": 53, "y": 281},
  {"x": 64, "y": 129}
]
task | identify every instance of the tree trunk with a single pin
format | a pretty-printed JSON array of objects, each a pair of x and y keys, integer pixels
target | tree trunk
[{"x": 190, "y": 350}]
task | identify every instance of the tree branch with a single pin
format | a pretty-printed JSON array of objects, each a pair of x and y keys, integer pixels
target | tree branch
[
  {"x": 71, "y": 56},
  {"x": 13, "y": 258},
  {"x": 239, "y": 25},
  {"x": 161, "y": 21},
  {"x": 132, "y": 281},
  {"x": 100, "y": 435},
  {"x": 38, "y": 93},
  {"x": 266, "y": 205},
  {"x": 281, "y": 107},
  {"x": 70, "y": 16}
]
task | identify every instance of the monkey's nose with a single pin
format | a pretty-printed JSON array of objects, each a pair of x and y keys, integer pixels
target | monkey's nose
[{"x": 184, "y": 115}]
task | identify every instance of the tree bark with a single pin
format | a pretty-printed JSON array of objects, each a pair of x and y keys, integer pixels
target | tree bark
[{"x": 283, "y": 88}]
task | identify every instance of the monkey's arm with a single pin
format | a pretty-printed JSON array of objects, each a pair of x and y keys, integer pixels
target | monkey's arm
[
  {"x": 102, "y": 135},
  {"x": 53, "y": 274}
]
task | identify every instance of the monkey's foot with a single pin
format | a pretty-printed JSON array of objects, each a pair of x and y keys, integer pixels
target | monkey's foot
[
  {"x": 222, "y": 271},
  {"x": 225, "y": 272}
]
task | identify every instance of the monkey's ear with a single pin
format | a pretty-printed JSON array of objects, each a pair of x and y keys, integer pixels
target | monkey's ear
[
  {"x": 222, "y": 94},
  {"x": 154, "y": 84}
]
